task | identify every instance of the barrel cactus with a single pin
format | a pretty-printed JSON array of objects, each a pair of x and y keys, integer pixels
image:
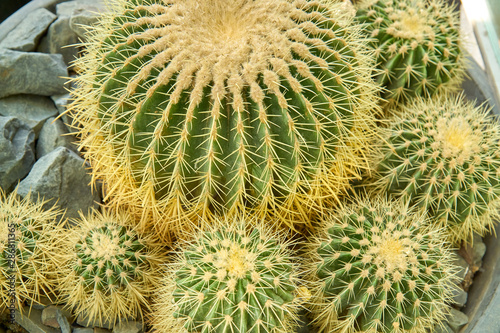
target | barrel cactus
[
  {"x": 29, "y": 244},
  {"x": 235, "y": 278},
  {"x": 418, "y": 46},
  {"x": 196, "y": 108},
  {"x": 378, "y": 268},
  {"x": 109, "y": 270},
  {"x": 444, "y": 155}
]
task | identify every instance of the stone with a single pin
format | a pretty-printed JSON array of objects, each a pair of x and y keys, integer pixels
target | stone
[
  {"x": 54, "y": 134},
  {"x": 444, "y": 328},
  {"x": 75, "y": 7},
  {"x": 81, "y": 20},
  {"x": 463, "y": 267},
  {"x": 49, "y": 316},
  {"x": 82, "y": 330},
  {"x": 457, "y": 319},
  {"x": 31, "y": 109},
  {"x": 478, "y": 251},
  {"x": 101, "y": 330},
  {"x": 459, "y": 296},
  {"x": 31, "y": 321},
  {"x": 16, "y": 151},
  {"x": 31, "y": 73},
  {"x": 63, "y": 322},
  {"x": 61, "y": 101},
  {"x": 61, "y": 175},
  {"x": 83, "y": 320},
  {"x": 61, "y": 40},
  {"x": 128, "y": 327},
  {"x": 25, "y": 36}
]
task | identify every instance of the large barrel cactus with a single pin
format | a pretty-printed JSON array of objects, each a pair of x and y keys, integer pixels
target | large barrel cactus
[
  {"x": 30, "y": 241},
  {"x": 444, "y": 155},
  {"x": 418, "y": 46},
  {"x": 377, "y": 268},
  {"x": 190, "y": 108}
]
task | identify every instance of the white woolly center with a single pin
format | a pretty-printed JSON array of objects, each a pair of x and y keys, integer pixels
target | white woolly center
[{"x": 457, "y": 137}]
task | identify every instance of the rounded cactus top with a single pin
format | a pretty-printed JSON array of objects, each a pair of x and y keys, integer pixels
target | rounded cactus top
[
  {"x": 235, "y": 279},
  {"x": 418, "y": 46},
  {"x": 444, "y": 154},
  {"x": 380, "y": 269},
  {"x": 200, "y": 107}
]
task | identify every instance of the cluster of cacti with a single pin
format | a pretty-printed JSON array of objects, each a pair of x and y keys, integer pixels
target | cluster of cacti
[
  {"x": 376, "y": 269},
  {"x": 238, "y": 277},
  {"x": 444, "y": 154},
  {"x": 109, "y": 270},
  {"x": 417, "y": 44},
  {"x": 191, "y": 108},
  {"x": 28, "y": 252}
]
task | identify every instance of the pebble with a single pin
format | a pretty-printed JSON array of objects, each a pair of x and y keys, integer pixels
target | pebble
[
  {"x": 457, "y": 319},
  {"x": 463, "y": 266},
  {"x": 459, "y": 297},
  {"x": 31, "y": 73},
  {"x": 16, "y": 151},
  {"x": 82, "y": 330},
  {"x": 82, "y": 320},
  {"x": 61, "y": 175},
  {"x": 31, "y": 321},
  {"x": 60, "y": 39},
  {"x": 478, "y": 251},
  {"x": 63, "y": 322},
  {"x": 54, "y": 134},
  {"x": 128, "y": 327},
  {"x": 25, "y": 36},
  {"x": 444, "y": 328},
  {"x": 31, "y": 109}
]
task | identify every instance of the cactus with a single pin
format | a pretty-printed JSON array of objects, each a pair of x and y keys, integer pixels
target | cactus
[
  {"x": 376, "y": 268},
  {"x": 418, "y": 46},
  {"x": 197, "y": 108},
  {"x": 231, "y": 279},
  {"x": 28, "y": 250},
  {"x": 443, "y": 154},
  {"x": 109, "y": 269}
]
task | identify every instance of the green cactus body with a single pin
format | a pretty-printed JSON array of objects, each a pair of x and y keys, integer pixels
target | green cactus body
[
  {"x": 200, "y": 107},
  {"x": 378, "y": 270},
  {"x": 418, "y": 46},
  {"x": 443, "y": 154},
  {"x": 28, "y": 251},
  {"x": 109, "y": 270},
  {"x": 231, "y": 280}
]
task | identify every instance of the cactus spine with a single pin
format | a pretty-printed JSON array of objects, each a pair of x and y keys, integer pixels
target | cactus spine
[
  {"x": 378, "y": 270},
  {"x": 192, "y": 108},
  {"x": 444, "y": 155},
  {"x": 418, "y": 46},
  {"x": 28, "y": 252},
  {"x": 109, "y": 269},
  {"x": 231, "y": 279}
]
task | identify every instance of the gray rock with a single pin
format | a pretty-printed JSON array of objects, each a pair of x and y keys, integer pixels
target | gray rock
[
  {"x": 16, "y": 151},
  {"x": 62, "y": 175},
  {"x": 54, "y": 134},
  {"x": 101, "y": 330},
  {"x": 82, "y": 330},
  {"x": 31, "y": 109},
  {"x": 75, "y": 7},
  {"x": 61, "y": 101},
  {"x": 459, "y": 297},
  {"x": 82, "y": 18},
  {"x": 478, "y": 251},
  {"x": 31, "y": 321},
  {"x": 63, "y": 322},
  {"x": 49, "y": 316},
  {"x": 444, "y": 328},
  {"x": 31, "y": 73},
  {"x": 25, "y": 36},
  {"x": 457, "y": 319},
  {"x": 83, "y": 320},
  {"x": 61, "y": 39},
  {"x": 463, "y": 267},
  {"x": 128, "y": 327}
]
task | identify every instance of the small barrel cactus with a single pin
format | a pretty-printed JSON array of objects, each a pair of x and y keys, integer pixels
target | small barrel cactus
[
  {"x": 109, "y": 269},
  {"x": 189, "y": 108},
  {"x": 231, "y": 279},
  {"x": 444, "y": 154},
  {"x": 418, "y": 46},
  {"x": 29, "y": 245},
  {"x": 377, "y": 268}
]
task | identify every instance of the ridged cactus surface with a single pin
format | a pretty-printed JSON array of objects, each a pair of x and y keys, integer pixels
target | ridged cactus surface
[
  {"x": 418, "y": 46},
  {"x": 109, "y": 269},
  {"x": 378, "y": 270},
  {"x": 232, "y": 279},
  {"x": 194, "y": 108},
  {"x": 29, "y": 247},
  {"x": 444, "y": 154}
]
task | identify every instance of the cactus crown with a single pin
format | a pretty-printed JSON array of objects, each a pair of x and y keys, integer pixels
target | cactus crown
[
  {"x": 110, "y": 269},
  {"x": 379, "y": 270},
  {"x": 443, "y": 154},
  {"x": 211, "y": 106},
  {"x": 233, "y": 280},
  {"x": 418, "y": 46},
  {"x": 27, "y": 249}
]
